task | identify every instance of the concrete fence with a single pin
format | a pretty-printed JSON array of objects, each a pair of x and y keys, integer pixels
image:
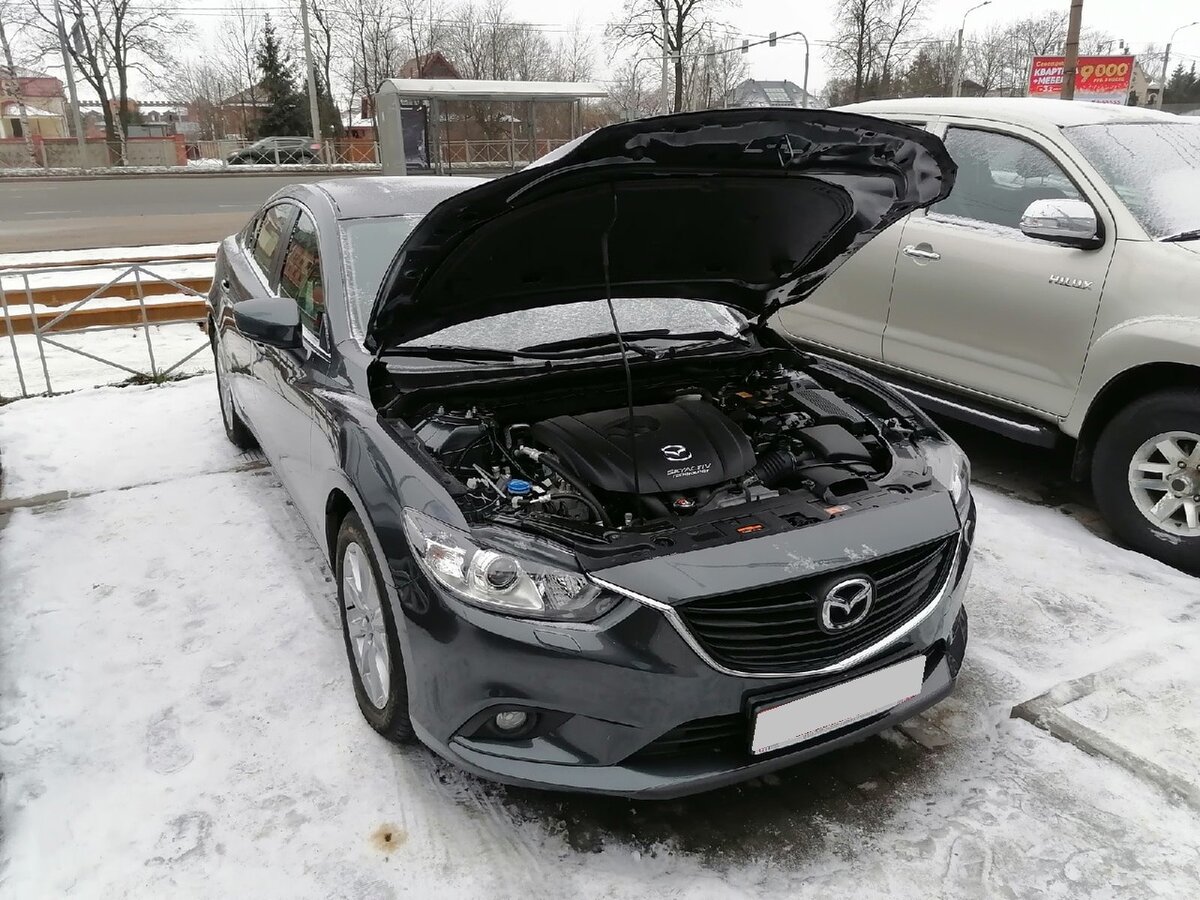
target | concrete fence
[{"x": 96, "y": 153}]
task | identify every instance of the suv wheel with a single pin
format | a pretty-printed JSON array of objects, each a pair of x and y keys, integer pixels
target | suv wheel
[{"x": 1146, "y": 476}]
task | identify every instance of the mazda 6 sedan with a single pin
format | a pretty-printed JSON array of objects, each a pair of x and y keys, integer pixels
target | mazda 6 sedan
[{"x": 595, "y": 527}]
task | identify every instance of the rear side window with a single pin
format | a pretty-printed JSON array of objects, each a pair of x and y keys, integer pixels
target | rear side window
[
  {"x": 266, "y": 239},
  {"x": 301, "y": 275},
  {"x": 999, "y": 176}
]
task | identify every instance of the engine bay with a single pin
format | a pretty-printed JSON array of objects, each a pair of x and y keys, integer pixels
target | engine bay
[{"x": 587, "y": 465}]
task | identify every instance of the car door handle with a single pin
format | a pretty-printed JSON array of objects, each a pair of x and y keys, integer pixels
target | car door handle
[{"x": 921, "y": 252}]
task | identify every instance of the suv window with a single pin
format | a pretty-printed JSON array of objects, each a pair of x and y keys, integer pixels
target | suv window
[
  {"x": 301, "y": 275},
  {"x": 998, "y": 177},
  {"x": 266, "y": 239}
]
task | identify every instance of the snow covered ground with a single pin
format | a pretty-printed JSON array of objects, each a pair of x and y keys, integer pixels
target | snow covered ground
[{"x": 176, "y": 717}]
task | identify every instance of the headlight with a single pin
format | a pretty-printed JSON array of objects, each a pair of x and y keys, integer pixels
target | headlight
[
  {"x": 493, "y": 578},
  {"x": 951, "y": 468}
]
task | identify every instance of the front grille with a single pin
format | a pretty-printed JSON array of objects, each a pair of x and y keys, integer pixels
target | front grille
[{"x": 774, "y": 628}]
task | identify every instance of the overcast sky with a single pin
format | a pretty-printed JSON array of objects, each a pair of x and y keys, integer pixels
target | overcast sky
[{"x": 1139, "y": 22}]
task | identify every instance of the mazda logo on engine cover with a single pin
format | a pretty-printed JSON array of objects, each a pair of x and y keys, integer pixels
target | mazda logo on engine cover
[
  {"x": 676, "y": 452},
  {"x": 846, "y": 604}
]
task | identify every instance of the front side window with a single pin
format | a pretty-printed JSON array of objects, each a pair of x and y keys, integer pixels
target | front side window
[
  {"x": 266, "y": 239},
  {"x": 300, "y": 278},
  {"x": 998, "y": 177}
]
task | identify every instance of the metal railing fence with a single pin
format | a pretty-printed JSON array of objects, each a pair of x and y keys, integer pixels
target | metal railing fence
[{"x": 23, "y": 315}]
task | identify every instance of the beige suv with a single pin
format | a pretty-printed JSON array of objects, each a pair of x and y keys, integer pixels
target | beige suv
[{"x": 1055, "y": 294}]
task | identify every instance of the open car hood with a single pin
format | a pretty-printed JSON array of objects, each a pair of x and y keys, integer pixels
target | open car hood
[{"x": 752, "y": 208}]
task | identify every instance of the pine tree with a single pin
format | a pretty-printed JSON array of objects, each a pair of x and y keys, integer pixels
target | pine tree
[{"x": 285, "y": 113}]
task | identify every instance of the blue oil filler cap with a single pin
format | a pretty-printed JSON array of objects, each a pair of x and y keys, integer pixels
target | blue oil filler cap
[{"x": 518, "y": 488}]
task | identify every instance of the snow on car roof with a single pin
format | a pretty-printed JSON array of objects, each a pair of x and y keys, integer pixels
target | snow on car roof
[
  {"x": 1032, "y": 111},
  {"x": 391, "y": 195}
]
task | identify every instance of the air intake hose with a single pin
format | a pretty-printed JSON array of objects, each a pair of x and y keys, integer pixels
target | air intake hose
[{"x": 776, "y": 467}]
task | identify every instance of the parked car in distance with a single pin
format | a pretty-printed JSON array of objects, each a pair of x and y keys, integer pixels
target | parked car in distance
[
  {"x": 277, "y": 151},
  {"x": 647, "y": 564},
  {"x": 1054, "y": 295}
]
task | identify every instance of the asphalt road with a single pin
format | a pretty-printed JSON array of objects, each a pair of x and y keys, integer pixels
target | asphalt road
[{"x": 76, "y": 214}]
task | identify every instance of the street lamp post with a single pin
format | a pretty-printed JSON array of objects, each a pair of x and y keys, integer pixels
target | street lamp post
[
  {"x": 1167, "y": 56},
  {"x": 958, "y": 54}
]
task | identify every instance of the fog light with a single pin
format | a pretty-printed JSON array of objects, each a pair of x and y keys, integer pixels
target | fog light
[{"x": 512, "y": 720}]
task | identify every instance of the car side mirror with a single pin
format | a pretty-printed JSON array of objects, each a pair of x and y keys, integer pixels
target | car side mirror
[
  {"x": 274, "y": 321},
  {"x": 1070, "y": 222}
]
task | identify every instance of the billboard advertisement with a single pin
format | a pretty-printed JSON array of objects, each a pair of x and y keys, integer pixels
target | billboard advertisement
[{"x": 1104, "y": 79}]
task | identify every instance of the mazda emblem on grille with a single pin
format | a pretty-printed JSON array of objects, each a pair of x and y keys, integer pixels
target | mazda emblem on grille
[{"x": 846, "y": 604}]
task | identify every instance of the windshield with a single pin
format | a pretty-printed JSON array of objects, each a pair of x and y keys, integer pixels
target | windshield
[
  {"x": 368, "y": 246},
  {"x": 517, "y": 330},
  {"x": 1153, "y": 166}
]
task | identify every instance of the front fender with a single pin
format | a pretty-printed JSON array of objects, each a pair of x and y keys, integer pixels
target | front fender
[
  {"x": 1133, "y": 343},
  {"x": 374, "y": 463}
]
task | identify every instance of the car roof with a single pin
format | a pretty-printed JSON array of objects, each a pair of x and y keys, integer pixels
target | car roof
[
  {"x": 390, "y": 195},
  {"x": 1031, "y": 111}
]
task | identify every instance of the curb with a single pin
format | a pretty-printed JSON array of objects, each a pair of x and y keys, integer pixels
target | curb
[{"x": 1043, "y": 712}]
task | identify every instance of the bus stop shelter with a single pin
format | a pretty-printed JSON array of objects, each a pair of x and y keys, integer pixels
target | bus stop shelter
[{"x": 504, "y": 113}]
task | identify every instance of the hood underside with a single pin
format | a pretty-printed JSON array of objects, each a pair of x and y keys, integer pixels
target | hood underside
[{"x": 752, "y": 208}]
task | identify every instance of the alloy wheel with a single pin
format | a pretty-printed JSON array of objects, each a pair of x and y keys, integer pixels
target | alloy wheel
[
  {"x": 365, "y": 625},
  {"x": 1164, "y": 481},
  {"x": 223, "y": 392}
]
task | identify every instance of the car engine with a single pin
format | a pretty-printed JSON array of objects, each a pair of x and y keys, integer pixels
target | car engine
[{"x": 696, "y": 448}]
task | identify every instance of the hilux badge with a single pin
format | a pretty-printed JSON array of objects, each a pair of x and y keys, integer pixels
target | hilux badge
[{"x": 1067, "y": 281}]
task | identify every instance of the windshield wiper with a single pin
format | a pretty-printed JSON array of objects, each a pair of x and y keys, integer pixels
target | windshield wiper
[
  {"x": 453, "y": 352},
  {"x": 604, "y": 340},
  {"x": 1192, "y": 234}
]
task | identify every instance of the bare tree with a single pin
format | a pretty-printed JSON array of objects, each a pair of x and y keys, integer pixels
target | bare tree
[
  {"x": 713, "y": 70},
  {"x": 204, "y": 85},
  {"x": 240, "y": 35},
  {"x": 874, "y": 40},
  {"x": 574, "y": 56},
  {"x": 640, "y": 27},
  {"x": 10, "y": 83},
  {"x": 632, "y": 94},
  {"x": 371, "y": 44},
  {"x": 110, "y": 39}
]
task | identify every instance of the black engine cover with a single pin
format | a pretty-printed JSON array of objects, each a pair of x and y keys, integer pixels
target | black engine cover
[{"x": 682, "y": 445}]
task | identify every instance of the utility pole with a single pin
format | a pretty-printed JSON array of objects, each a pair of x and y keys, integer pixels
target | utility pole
[
  {"x": 69, "y": 74},
  {"x": 1071, "y": 50},
  {"x": 956, "y": 85},
  {"x": 314, "y": 114},
  {"x": 666, "y": 91}
]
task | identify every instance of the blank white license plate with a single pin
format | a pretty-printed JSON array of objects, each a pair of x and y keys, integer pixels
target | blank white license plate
[{"x": 805, "y": 718}]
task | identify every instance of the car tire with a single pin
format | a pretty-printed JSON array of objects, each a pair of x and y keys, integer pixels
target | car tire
[
  {"x": 1140, "y": 447},
  {"x": 235, "y": 429},
  {"x": 369, "y": 631}
]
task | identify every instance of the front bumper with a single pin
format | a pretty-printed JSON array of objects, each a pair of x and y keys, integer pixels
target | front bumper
[{"x": 618, "y": 691}]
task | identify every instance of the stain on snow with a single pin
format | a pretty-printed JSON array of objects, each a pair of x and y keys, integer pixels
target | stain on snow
[{"x": 388, "y": 837}]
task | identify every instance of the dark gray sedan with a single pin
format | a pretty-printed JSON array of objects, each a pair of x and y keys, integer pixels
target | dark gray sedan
[{"x": 595, "y": 526}]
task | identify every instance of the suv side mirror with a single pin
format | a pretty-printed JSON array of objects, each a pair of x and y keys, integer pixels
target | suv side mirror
[
  {"x": 274, "y": 321},
  {"x": 1070, "y": 222}
]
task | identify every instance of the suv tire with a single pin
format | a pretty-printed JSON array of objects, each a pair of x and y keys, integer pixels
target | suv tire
[{"x": 1126, "y": 456}]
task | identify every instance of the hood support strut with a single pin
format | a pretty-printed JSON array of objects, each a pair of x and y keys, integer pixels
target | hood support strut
[{"x": 612, "y": 312}]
